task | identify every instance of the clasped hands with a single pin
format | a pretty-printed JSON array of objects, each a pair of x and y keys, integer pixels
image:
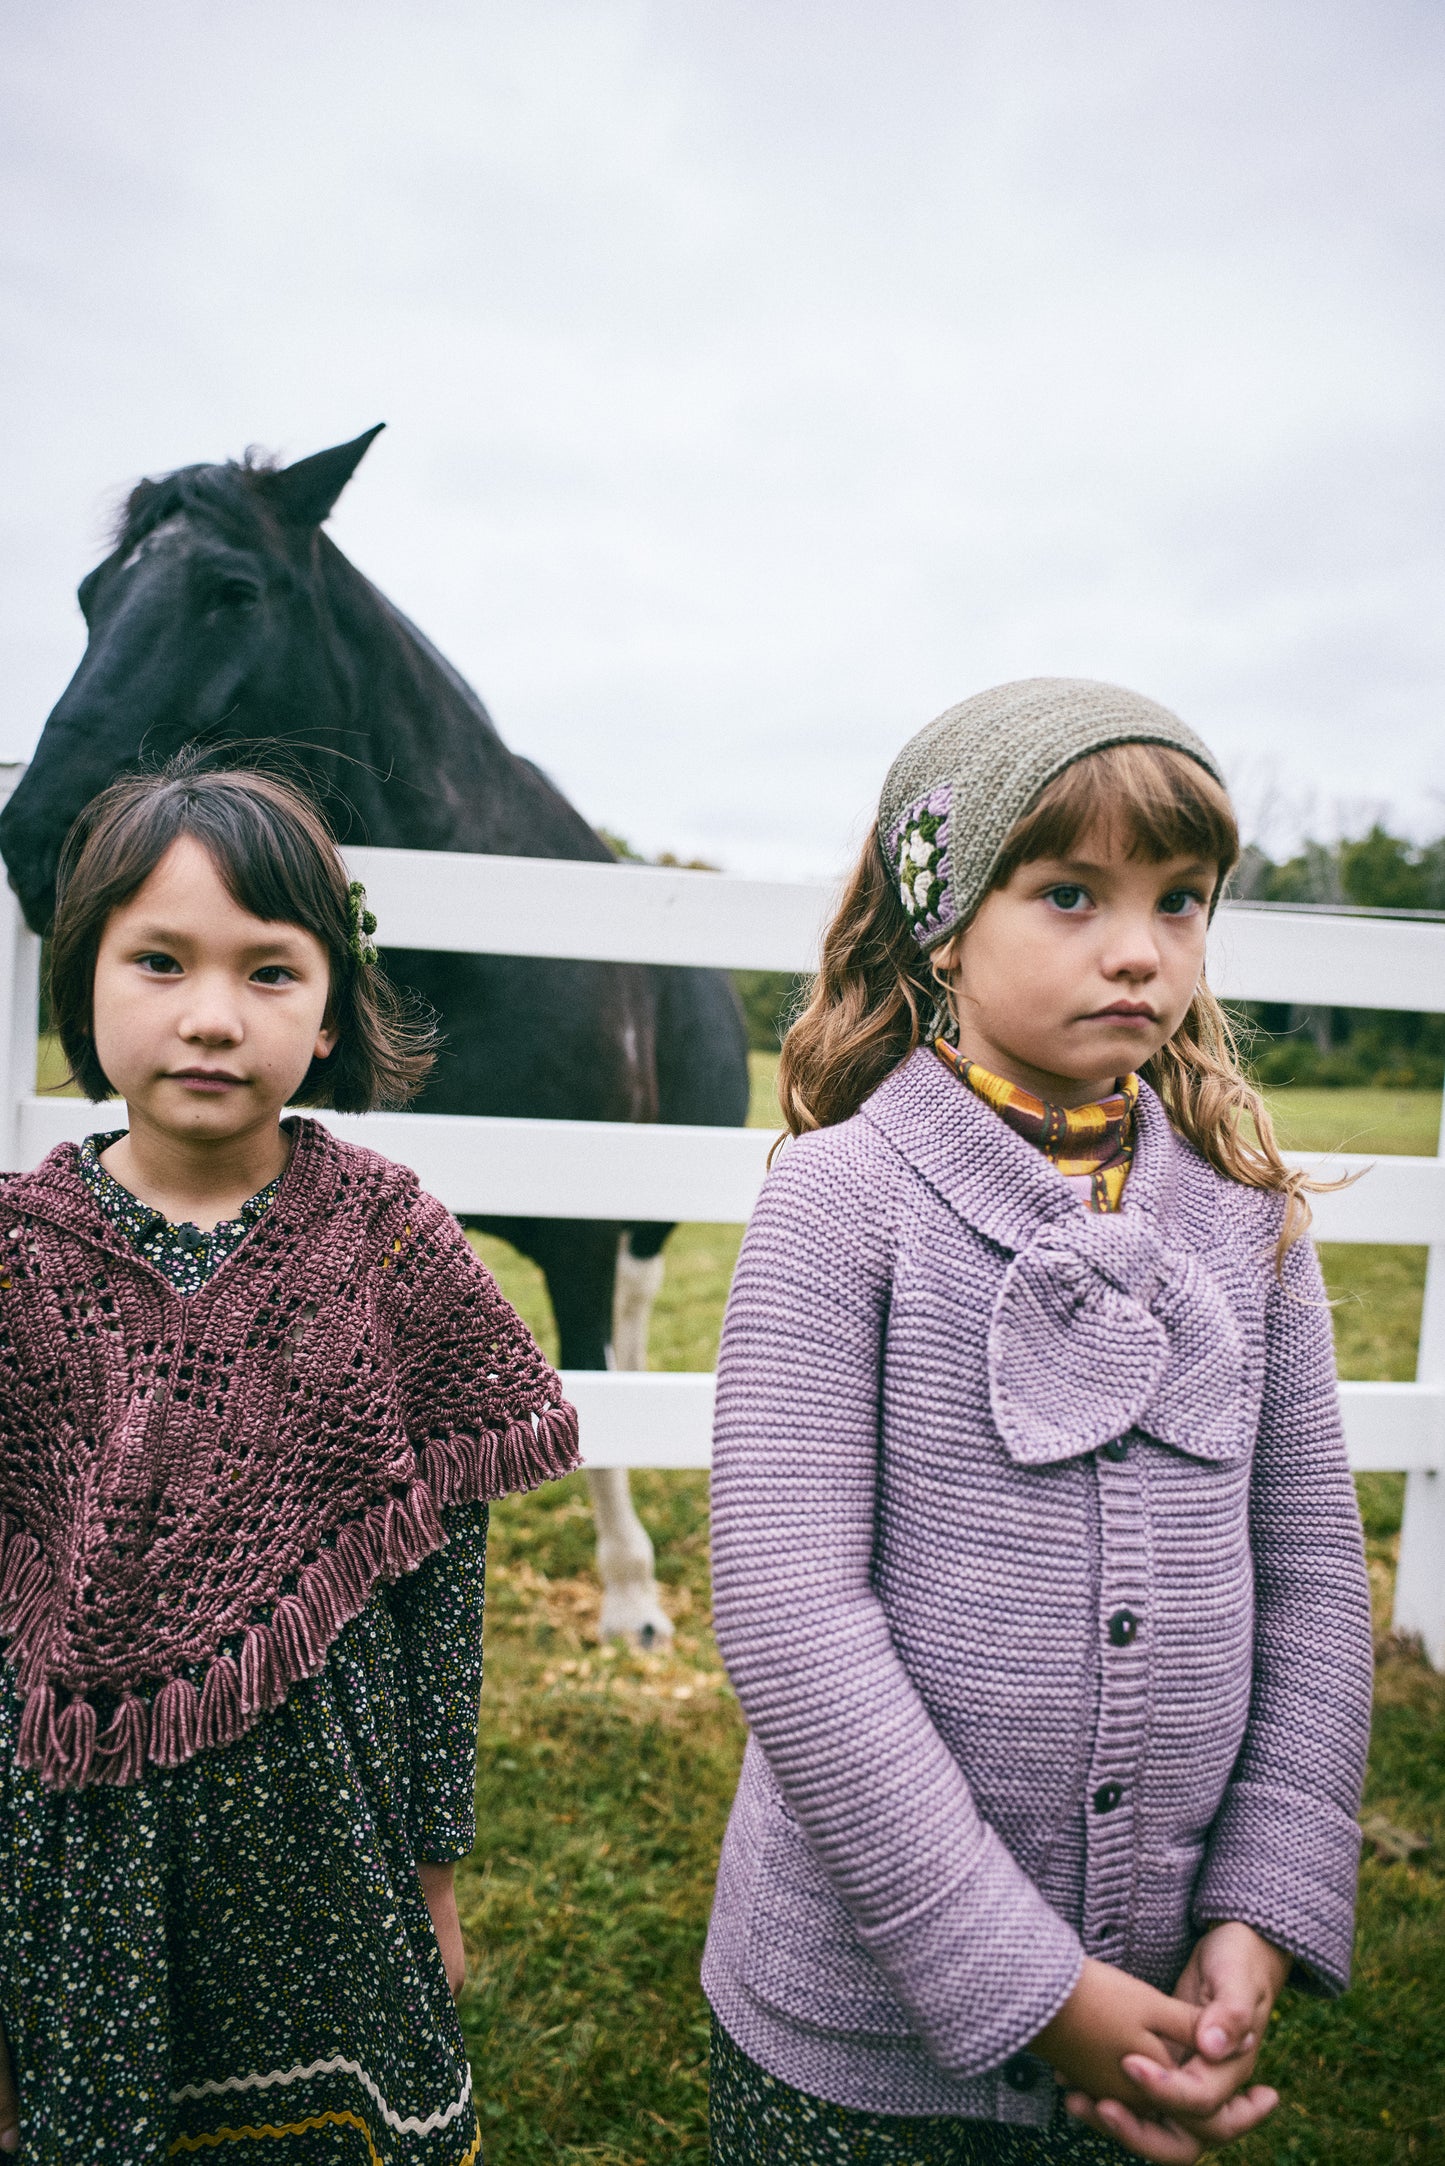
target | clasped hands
[{"x": 1168, "y": 2075}]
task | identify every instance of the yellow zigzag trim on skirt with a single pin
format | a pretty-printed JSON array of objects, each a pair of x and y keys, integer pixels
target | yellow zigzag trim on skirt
[
  {"x": 338, "y": 2119},
  {"x": 404, "y": 2124}
]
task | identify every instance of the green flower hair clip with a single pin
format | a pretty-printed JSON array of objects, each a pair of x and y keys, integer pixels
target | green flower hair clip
[{"x": 363, "y": 925}]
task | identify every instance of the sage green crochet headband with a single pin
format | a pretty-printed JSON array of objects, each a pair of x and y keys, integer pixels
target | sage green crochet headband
[{"x": 957, "y": 790}]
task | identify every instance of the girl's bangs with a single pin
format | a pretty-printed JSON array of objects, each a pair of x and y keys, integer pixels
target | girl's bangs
[{"x": 1158, "y": 802}]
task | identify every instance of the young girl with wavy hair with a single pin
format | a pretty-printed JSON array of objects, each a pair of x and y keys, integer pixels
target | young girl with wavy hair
[
  {"x": 1037, "y": 1563},
  {"x": 256, "y": 1392}
]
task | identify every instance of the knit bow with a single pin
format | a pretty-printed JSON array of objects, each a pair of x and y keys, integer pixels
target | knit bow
[{"x": 1099, "y": 1328}]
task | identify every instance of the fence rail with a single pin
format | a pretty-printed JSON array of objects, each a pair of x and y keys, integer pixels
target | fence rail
[
  {"x": 622, "y": 1170},
  {"x": 570, "y": 1169},
  {"x": 442, "y": 899}
]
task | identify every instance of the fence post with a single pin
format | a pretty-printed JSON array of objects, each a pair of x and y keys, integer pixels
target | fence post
[
  {"x": 19, "y": 1002},
  {"x": 1420, "y": 1574}
]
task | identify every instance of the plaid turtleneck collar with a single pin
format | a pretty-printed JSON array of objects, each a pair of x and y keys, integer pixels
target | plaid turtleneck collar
[{"x": 1092, "y": 1146}]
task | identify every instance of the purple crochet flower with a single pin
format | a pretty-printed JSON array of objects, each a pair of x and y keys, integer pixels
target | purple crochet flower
[{"x": 918, "y": 849}]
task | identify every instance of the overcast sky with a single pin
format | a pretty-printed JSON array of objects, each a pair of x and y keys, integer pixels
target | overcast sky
[{"x": 763, "y": 376}]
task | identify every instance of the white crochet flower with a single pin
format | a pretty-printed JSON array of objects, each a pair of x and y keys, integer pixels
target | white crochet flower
[
  {"x": 923, "y": 892},
  {"x": 905, "y": 888},
  {"x": 920, "y": 849}
]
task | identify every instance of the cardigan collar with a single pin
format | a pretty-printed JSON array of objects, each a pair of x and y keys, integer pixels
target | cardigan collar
[
  {"x": 1101, "y": 1325},
  {"x": 995, "y": 1179}
]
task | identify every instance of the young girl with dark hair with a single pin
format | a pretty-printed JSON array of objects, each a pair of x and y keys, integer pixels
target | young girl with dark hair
[
  {"x": 1037, "y": 1563},
  {"x": 256, "y": 1392}
]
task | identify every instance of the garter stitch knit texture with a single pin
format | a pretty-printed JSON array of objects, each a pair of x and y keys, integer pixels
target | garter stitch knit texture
[
  {"x": 1038, "y": 1572},
  {"x": 197, "y": 1492},
  {"x": 959, "y": 787}
]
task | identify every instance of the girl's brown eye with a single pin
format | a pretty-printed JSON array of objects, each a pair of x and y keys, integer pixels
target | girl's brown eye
[
  {"x": 159, "y": 965},
  {"x": 1067, "y": 897},
  {"x": 1179, "y": 901}
]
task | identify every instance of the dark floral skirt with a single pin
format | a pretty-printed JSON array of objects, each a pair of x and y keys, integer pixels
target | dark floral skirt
[
  {"x": 756, "y": 2120},
  {"x": 235, "y": 1953}
]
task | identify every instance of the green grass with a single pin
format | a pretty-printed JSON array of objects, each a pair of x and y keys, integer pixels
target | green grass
[
  {"x": 1358, "y": 1120},
  {"x": 605, "y": 1780},
  {"x": 1377, "y": 1289}
]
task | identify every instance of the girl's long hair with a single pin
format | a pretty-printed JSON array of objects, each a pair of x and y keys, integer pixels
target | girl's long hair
[{"x": 875, "y": 994}]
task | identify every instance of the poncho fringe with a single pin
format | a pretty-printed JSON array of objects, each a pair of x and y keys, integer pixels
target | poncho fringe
[{"x": 60, "y": 1737}]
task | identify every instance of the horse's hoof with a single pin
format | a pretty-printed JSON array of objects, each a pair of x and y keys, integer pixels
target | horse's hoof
[{"x": 636, "y": 1617}]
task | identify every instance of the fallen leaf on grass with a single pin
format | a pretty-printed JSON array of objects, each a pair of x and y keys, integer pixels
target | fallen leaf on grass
[{"x": 1398, "y": 1845}]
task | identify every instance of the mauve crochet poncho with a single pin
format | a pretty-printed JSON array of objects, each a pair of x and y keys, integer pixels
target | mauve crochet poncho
[
  {"x": 1038, "y": 1572},
  {"x": 198, "y": 1491}
]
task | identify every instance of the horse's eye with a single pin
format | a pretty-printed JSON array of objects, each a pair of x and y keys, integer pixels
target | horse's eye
[{"x": 236, "y": 594}]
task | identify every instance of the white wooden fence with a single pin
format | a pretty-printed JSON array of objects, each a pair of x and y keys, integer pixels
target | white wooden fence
[{"x": 589, "y": 1169}]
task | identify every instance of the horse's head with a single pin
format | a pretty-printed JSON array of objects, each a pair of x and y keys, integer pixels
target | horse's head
[{"x": 203, "y": 625}]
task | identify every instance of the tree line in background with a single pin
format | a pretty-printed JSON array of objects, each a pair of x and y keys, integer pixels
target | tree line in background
[
  {"x": 1344, "y": 1046},
  {"x": 1330, "y": 1047}
]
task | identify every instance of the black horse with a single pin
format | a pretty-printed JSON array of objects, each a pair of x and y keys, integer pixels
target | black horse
[{"x": 224, "y": 615}]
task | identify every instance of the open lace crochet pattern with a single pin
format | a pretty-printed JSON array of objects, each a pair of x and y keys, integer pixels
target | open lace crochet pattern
[{"x": 197, "y": 1492}]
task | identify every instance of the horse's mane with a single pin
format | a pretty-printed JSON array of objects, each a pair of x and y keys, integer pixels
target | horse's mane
[{"x": 231, "y": 494}]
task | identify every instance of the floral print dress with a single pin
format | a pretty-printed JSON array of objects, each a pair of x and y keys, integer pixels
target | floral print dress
[{"x": 235, "y": 1955}]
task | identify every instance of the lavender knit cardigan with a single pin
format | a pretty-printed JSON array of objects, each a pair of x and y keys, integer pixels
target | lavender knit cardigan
[{"x": 1039, "y": 1575}]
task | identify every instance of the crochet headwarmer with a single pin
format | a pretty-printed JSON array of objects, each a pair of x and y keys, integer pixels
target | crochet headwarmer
[
  {"x": 198, "y": 1491},
  {"x": 958, "y": 789}
]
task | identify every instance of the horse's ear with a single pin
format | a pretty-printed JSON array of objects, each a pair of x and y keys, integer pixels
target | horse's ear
[{"x": 303, "y": 494}]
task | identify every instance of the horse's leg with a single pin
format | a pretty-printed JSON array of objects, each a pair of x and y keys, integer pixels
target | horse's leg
[
  {"x": 636, "y": 1287},
  {"x": 588, "y": 1289},
  {"x": 630, "y": 1600},
  {"x": 631, "y": 1604}
]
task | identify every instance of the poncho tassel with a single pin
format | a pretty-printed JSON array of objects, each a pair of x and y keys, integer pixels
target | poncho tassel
[
  {"x": 174, "y": 1721},
  {"x": 220, "y": 1721},
  {"x": 322, "y": 1589},
  {"x": 452, "y": 1465},
  {"x": 422, "y": 1511},
  {"x": 21, "y": 1561},
  {"x": 488, "y": 1478},
  {"x": 72, "y": 1744},
  {"x": 357, "y": 1563},
  {"x": 557, "y": 1436},
  {"x": 523, "y": 1462},
  {"x": 292, "y": 1624},
  {"x": 261, "y": 1685},
  {"x": 28, "y": 1616},
  {"x": 120, "y": 1749},
  {"x": 402, "y": 1546},
  {"x": 37, "y": 1718},
  {"x": 24, "y": 1586}
]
